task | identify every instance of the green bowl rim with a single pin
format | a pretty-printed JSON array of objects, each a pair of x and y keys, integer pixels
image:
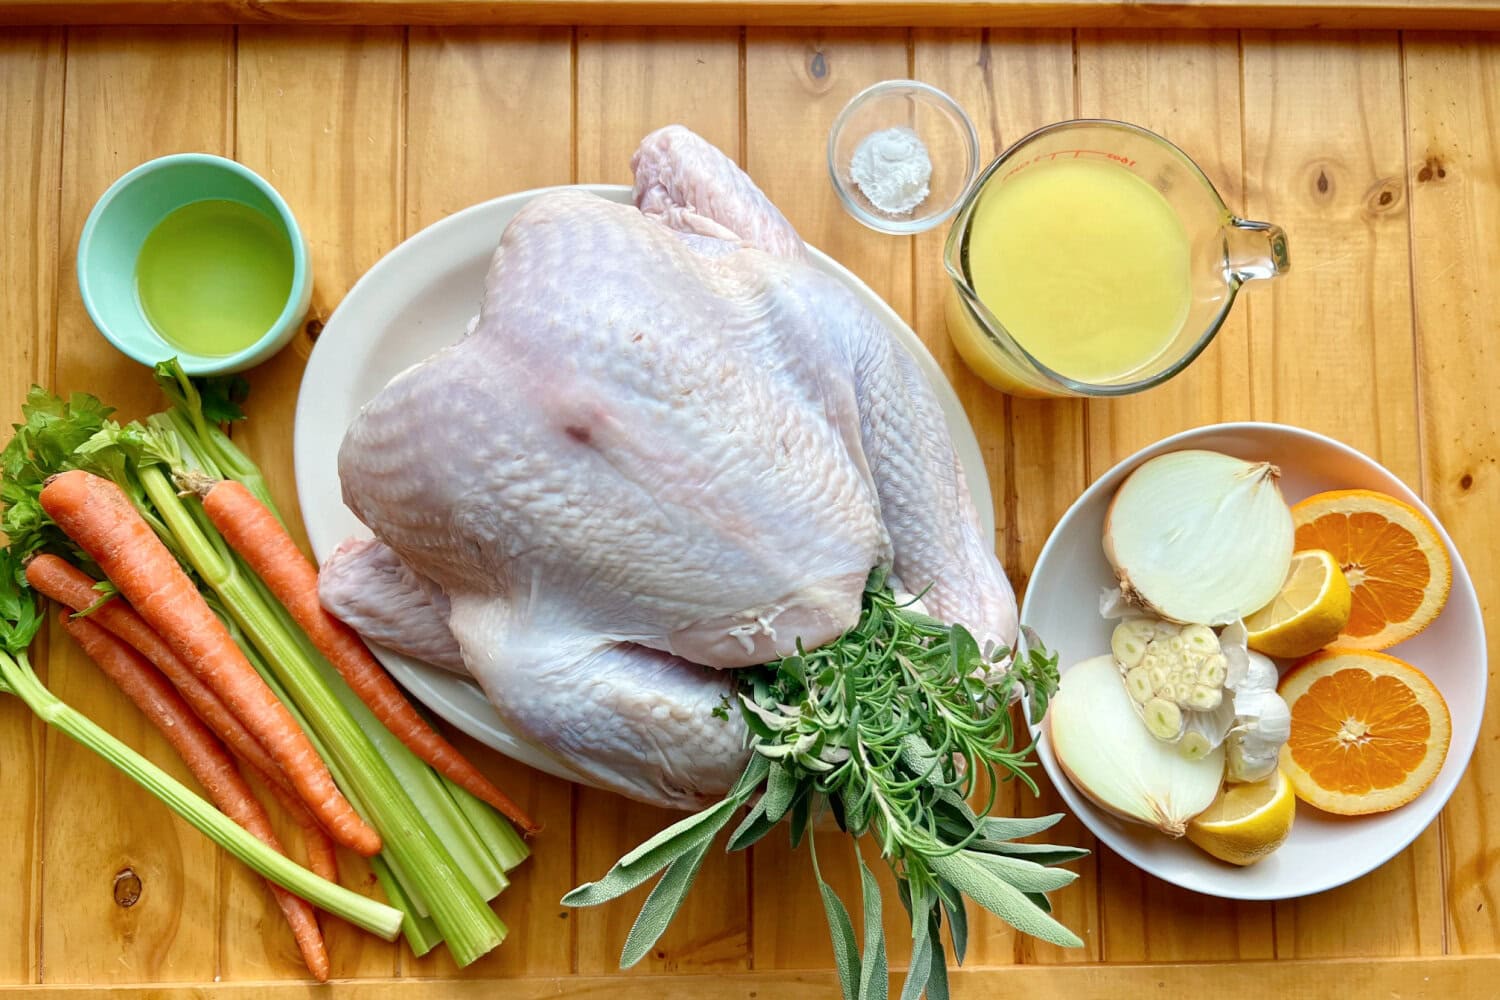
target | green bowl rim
[{"x": 197, "y": 364}]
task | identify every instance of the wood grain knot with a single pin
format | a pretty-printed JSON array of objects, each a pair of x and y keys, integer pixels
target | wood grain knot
[
  {"x": 127, "y": 888},
  {"x": 817, "y": 70},
  {"x": 1466, "y": 481},
  {"x": 1384, "y": 197},
  {"x": 1322, "y": 183},
  {"x": 313, "y": 328},
  {"x": 1432, "y": 167}
]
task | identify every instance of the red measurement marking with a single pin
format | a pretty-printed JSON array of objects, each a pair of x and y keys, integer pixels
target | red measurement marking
[{"x": 1075, "y": 154}]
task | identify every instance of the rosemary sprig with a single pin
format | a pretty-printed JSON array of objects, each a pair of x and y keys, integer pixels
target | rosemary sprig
[{"x": 893, "y": 728}]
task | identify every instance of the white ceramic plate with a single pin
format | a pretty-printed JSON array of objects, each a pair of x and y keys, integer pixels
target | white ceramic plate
[
  {"x": 419, "y": 298},
  {"x": 1323, "y": 850}
]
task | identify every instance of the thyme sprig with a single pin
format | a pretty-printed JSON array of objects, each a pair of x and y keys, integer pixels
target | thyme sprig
[{"x": 894, "y": 728}]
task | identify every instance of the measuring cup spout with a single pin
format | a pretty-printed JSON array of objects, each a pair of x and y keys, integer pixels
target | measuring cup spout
[{"x": 1254, "y": 250}]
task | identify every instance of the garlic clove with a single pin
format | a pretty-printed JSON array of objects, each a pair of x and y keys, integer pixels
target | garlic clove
[
  {"x": 1205, "y": 698},
  {"x": 1138, "y": 683},
  {"x": 1194, "y": 745},
  {"x": 1128, "y": 645},
  {"x": 1163, "y": 718}
]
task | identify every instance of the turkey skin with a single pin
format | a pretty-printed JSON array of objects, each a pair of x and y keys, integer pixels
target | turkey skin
[{"x": 669, "y": 447}]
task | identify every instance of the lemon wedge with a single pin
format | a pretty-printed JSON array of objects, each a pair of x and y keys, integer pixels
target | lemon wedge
[
  {"x": 1309, "y": 613},
  {"x": 1246, "y": 822}
]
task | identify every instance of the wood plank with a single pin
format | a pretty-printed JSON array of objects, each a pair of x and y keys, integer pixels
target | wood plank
[
  {"x": 1453, "y": 172},
  {"x": 634, "y": 80},
  {"x": 473, "y": 99},
  {"x": 99, "y": 825},
  {"x": 629, "y": 83},
  {"x": 1305, "y": 14},
  {"x": 795, "y": 83},
  {"x": 1409, "y": 979},
  {"x": 1185, "y": 86},
  {"x": 336, "y": 92},
  {"x": 31, "y": 103},
  {"x": 1011, "y": 83},
  {"x": 1342, "y": 317}
]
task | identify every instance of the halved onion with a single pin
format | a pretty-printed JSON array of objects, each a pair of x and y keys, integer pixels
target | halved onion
[
  {"x": 1199, "y": 537},
  {"x": 1110, "y": 757}
]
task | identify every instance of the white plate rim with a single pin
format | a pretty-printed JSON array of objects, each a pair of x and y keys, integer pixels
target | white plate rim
[
  {"x": 437, "y": 689},
  {"x": 1462, "y": 588}
]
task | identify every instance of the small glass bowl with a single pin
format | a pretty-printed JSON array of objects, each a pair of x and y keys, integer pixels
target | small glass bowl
[{"x": 937, "y": 119}]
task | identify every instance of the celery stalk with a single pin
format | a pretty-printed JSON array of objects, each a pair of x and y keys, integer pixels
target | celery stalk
[
  {"x": 417, "y": 778},
  {"x": 408, "y": 884},
  {"x": 470, "y": 927},
  {"x": 420, "y": 932},
  {"x": 17, "y": 677},
  {"x": 494, "y": 830}
]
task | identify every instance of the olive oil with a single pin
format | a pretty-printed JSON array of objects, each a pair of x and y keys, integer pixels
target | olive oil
[
  {"x": 213, "y": 276},
  {"x": 1085, "y": 264}
]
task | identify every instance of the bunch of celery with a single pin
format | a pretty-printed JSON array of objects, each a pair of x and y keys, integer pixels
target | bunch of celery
[{"x": 445, "y": 853}]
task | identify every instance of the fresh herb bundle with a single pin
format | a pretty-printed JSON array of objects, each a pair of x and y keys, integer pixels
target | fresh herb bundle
[{"x": 892, "y": 727}]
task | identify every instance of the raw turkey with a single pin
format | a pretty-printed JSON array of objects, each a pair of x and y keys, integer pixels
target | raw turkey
[{"x": 669, "y": 447}]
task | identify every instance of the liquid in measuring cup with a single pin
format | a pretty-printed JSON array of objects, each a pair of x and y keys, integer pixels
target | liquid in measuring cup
[
  {"x": 1095, "y": 258},
  {"x": 1084, "y": 263}
]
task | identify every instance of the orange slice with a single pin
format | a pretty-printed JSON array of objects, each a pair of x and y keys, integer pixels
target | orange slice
[
  {"x": 1391, "y": 554},
  {"x": 1369, "y": 732}
]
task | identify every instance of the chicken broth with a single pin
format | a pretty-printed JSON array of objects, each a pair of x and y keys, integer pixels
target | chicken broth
[{"x": 1085, "y": 264}]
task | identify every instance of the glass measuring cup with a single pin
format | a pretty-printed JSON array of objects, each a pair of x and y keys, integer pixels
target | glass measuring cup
[{"x": 1225, "y": 251}]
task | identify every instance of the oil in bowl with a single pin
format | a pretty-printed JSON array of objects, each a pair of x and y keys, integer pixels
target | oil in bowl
[
  {"x": 194, "y": 256},
  {"x": 213, "y": 276}
]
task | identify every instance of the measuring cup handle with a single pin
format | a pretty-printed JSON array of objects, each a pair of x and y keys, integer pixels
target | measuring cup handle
[{"x": 1255, "y": 250}]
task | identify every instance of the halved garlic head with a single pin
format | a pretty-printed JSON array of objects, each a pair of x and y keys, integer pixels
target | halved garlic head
[
  {"x": 1169, "y": 669},
  {"x": 1200, "y": 537}
]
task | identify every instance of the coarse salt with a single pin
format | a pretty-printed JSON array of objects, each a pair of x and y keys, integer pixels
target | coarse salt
[{"x": 892, "y": 169}]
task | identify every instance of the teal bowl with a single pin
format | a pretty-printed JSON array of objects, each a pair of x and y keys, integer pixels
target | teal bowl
[{"x": 127, "y": 213}]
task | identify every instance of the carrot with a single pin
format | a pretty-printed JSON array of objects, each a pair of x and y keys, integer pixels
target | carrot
[
  {"x": 321, "y": 857},
  {"x": 261, "y": 540},
  {"x": 54, "y": 577},
  {"x": 205, "y": 757},
  {"x": 99, "y": 518}
]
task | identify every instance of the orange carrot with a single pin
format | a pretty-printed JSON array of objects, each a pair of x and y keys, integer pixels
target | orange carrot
[
  {"x": 96, "y": 515},
  {"x": 56, "y": 578},
  {"x": 262, "y": 541},
  {"x": 321, "y": 858},
  {"x": 205, "y": 757}
]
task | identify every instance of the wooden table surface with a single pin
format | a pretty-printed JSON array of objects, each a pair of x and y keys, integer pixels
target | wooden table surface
[{"x": 1379, "y": 153}]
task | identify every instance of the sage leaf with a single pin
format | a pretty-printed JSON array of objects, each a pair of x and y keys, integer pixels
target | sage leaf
[
  {"x": 801, "y": 812},
  {"x": 1004, "y": 900},
  {"x": 937, "y": 979},
  {"x": 1005, "y": 828},
  {"x": 662, "y": 905},
  {"x": 841, "y": 930},
  {"x": 655, "y": 854},
  {"x": 875, "y": 977},
  {"x": 1042, "y": 854},
  {"x": 958, "y": 917},
  {"x": 1040, "y": 899},
  {"x": 755, "y": 826},
  {"x": 1028, "y": 876},
  {"x": 923, "y": 927},
  {"x": 781, "y": 785}
]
